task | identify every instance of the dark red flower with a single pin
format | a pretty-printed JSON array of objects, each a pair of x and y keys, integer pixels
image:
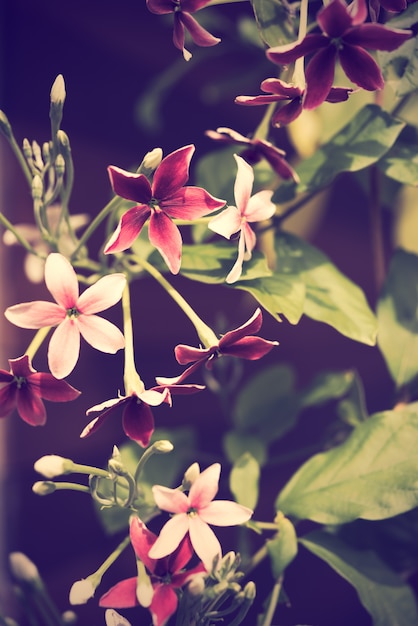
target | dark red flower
[
  {"x": 281, "y": 92},
  {"x": 183, "y": 19},
  {"x": 167, "y": 576},
  {"x": 344, "y": 36},
  {"x": 24, "y": 389}
]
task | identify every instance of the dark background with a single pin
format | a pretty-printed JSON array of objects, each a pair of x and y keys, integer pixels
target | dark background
[{"x": 111, "y": 54}]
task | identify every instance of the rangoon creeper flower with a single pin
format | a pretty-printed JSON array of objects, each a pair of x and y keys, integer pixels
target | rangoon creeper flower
[
  {"x": 24, "y": 388},
  {"x": 166, "y": 198},
  {"x": 81, "y": 591},
  {"x": 344, "y": 37},
  {"x": 238, "y": 218},
  {"x": 192, "y": 515},
  {"x": 256, "y": 149},
  {"x": 137, "y": 417},
  {"x": 238, "y": 342},
  {"x": 280, "y": 91},
  {"x": 183, "y": 19},
  {"x": 74, "y": 315},
  {"x": 167, "y": 575}
]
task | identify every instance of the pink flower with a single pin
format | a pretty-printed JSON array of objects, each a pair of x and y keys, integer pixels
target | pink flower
[
  {"x": 183, "y": 19},
  {"x": 238, "y": 218},
  {"x": 344, "y": 36},
  {"x": 24, "y": 388},
  {"x": 166, "y": 198},
  {"x": 280, "y": 92},
  {"x": 73, "y": 315},
  {"x": 192, "y": 515},
  {"x": 167, "y": 575},
  {"x": 137, "y": 417},
  {"x": 256, "y": 149},
  {"x": 238, "y": 343}
]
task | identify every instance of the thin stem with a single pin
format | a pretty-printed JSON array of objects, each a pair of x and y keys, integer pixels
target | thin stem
[
  {"x": 71, "y": 487},
  {"x": 88, "y": 469},
  {"x": 113, "y": 204},
  {"x": 111, "y": 559},
  {"x": 299, "y": 72},
  {"x": 37, "y": 341},
  {"x": 256, "y": 559},
  {"x": 206, "y": 334},
  {"x": 21, "y": 240},
  {"x": 262, "y": 129},
  {"x": 131, "y": 378},
  {"x": 274, "y": 598},
  {"x": 376, "y": 231},
  {"x": 21, "y": 159}
]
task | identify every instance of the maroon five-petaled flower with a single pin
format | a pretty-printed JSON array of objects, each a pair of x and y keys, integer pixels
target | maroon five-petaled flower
[
  {"x": 183, "y": 19},
  {"x": 281, "y": 92},
  {"x": 167, "y": 576},
  {"x": 255, "y": 149},
  {"x": 344, "y": 36},
  {"x": 137, "y": 417},
  {"x": 239, "y": 343},
  {"x": 25, "y": 388},
  {"x": 166, "y": 198}
]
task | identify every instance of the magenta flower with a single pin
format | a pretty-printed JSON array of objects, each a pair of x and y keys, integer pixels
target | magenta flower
[
  {"x": 24, "y": 388},
  {"x": 280, "y": 92},
  {"x": 167, "y": 576},
  {"x": 239, "y": 343},
  {"x": 192, "y": 514},
  {"x": 74, "y": 315},
  {"x": 167, "y": 198},
  {"x": 344, "y": 36},
  {"x": 238, "y": 218},
  {"x": 137, "y": 417},
  {"x": 255, "y": 150},
  {"x": 183, "y": 19}
]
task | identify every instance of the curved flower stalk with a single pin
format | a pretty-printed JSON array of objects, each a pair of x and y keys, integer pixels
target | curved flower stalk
[
  {"x": 256, "y": 149},
  {"x": 238, "y": 342},
  {"x": 167, "y": 576},
  {"x": 192, "y": 515},
  {"x": 344, "y": 37},
  {"x": 165, "y": 199},
  {"x": 277, "y": 90},
  {"x": 237, "y": 219},
  {"x": 183, "y": 20},
  {"x": 25, "y": 389},
  {"x": 137, "y": 417},
  {"x": 73, "y": 314}
]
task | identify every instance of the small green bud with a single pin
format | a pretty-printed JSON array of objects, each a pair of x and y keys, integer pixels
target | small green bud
[
  {"x": 81, "y": 591},
  {"x": 190, "y": 476},
  {"x": 46, "y": 151},
  {"x": 23, "y": 568},
  {"x": 152, "y": 159},
  {"x": 52, "y": 465},
  {"x": 250, "y": 591},
  {"x": 60, "y": 165},
  {"x": 163, "y": 446},
  {"x": 43, "y": 487},
  {"x": 37, "y": 155},
  {"x": 5, "y": 127},
  {"x": 26, "y": 148},
  {"x": 58, "y": 91},
  {"x": 196, "y": 585},
  {"x": 37, "y": 188}
]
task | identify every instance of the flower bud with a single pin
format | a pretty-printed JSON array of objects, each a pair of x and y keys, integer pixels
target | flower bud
[
  {"x": 37, "y": 155},
  {"x": 113, "y": 618},
  {"x": 37, "y": 188},
  {"x": 144, "y": 589},
  {"x": 152, "y": 159},
  {"x": 63, "y": 140},
  {"x": 23, "y": 568},
  {"x": 163, "y": 446},
  {"x": 5, "y": 127},
  {"x": 58, "y": 91},
  {"x": 250, "y": 591},
  {"x": 190, "y": 476},
  {"x": 53, "y": 465},
  {"x": 26, "y": 148},
  {"x": 59, "y": 165},
  {"x": 81, "y": 591},
  {"x": 43, "y": 487},
  {"x": 196, "y": 585}
]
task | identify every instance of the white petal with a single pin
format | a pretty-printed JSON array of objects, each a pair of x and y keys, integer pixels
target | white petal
[
  {"x": 225, "y": 513},
  {"x": 243, "y": 184},
  {"x": 61, "y": 280},
  {"x": 100, "y": 333},
  {"x": 204, "y": 541},
  {"x": 102, "y": 295},
  {"x": 226, "y": 223},
  {"x": 170, "y": 536},
  {"x": 260, "y": 207},
  {"x": 64, "y": 348}
]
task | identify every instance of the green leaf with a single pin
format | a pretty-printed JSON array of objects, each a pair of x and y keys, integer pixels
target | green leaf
[
  {"x": 243, "y": 480},
  {"x": 327, "y": 386},
  {"x": 211, "y": 263},
  {"x": 398, "y": 319},
  {"x": 401, "y": 65},
  {"x": 267, "y": 406},
  {"x": 276, "y": 21},
  {"x": 372, "y": 475},
  {"x": 401, "y": 162},
  {"x": 330, "y": 296},
  {"x": 381, "y": 591},
  {"x": 362, "y": 142},
  {"x": 235, "y": 444},
  {"x": 283, "y": 548},
  {"x": 216, "y": 173}
]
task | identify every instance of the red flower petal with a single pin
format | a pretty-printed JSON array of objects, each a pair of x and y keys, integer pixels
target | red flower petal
[
  {"x": 21, "y": 367},
  {"x": 172, "y": 173},
  {"x": 163, "y": 605},
  {"x": 334, "y": 19},
  {"x": 282, "y": 55},
  {"x": 138, "y": 421},
  {"x": 200, "y": 35},
  {"x": 361, "y": 68},
  {"x": 190, "y": 203},
  {"x": 121, "y": 596},
  {"x": 160, "y": 7},
  {"x": 253, "y": 325},
  {"x": 49, "y": 388},
  {"x": 179, "y": 559},
  {"x": 251, "y": 348},
  {"x": 128, "y": 229},
  {"x": 30, "y": 407},
  {"x": 7, "y": 399},
  {"x": 142, "y": 541},
  {"x": 130, "y": 186},
  {"x": 188, "y": 354},
  {"x": 377, "y": 37},
  {"x": 166, "y": 237},
  {"x": 319, "y": 77},
  {"x": 287, "y": 91},
  {"x": 287, "y": 113}
]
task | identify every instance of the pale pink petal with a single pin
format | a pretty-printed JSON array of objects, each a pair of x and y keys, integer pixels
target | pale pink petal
[
  {"x": 170, "y": 536},
  {"x": 226, "y": 223},
  {"x": 128, "y": 229},
  {"x": 243, "y": 184},
  {"x": 102, "y": 295},
  {"x": 225, "y": 513},
  {"x": 130, "y": 186},
  {"x": 236, "y": 270},
  {"x": 121, "y": 596},
  {"x": 37, "y": 314},
  {"x": 108, "y": 404},
  {"x": 172, "y": 173},
  {"x": 155, "y": 398},
  {"x": 61, "y": 280},
  {"x": 260, "y": 207},
  {"x": 249, "y": 239},
  {"x": 64, "y": 348},
  {"x": 204, "y": 541},
  {"x": 163, "y": 605},
  {"x": 205, "y": 487},
  {"x": 170, "y": 500},
  {"x": 100, "y": 333},
  {"x": 165, "y": 236}
]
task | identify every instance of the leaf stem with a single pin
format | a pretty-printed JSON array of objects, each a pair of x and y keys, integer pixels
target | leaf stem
[{"x": 37, "y": 341}]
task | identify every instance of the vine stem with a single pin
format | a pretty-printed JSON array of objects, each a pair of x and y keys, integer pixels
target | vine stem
[
  {"x": 274, "y": 598},
  {"x": 112, "y": 205},
  {"x": 37, "y": 341}
]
